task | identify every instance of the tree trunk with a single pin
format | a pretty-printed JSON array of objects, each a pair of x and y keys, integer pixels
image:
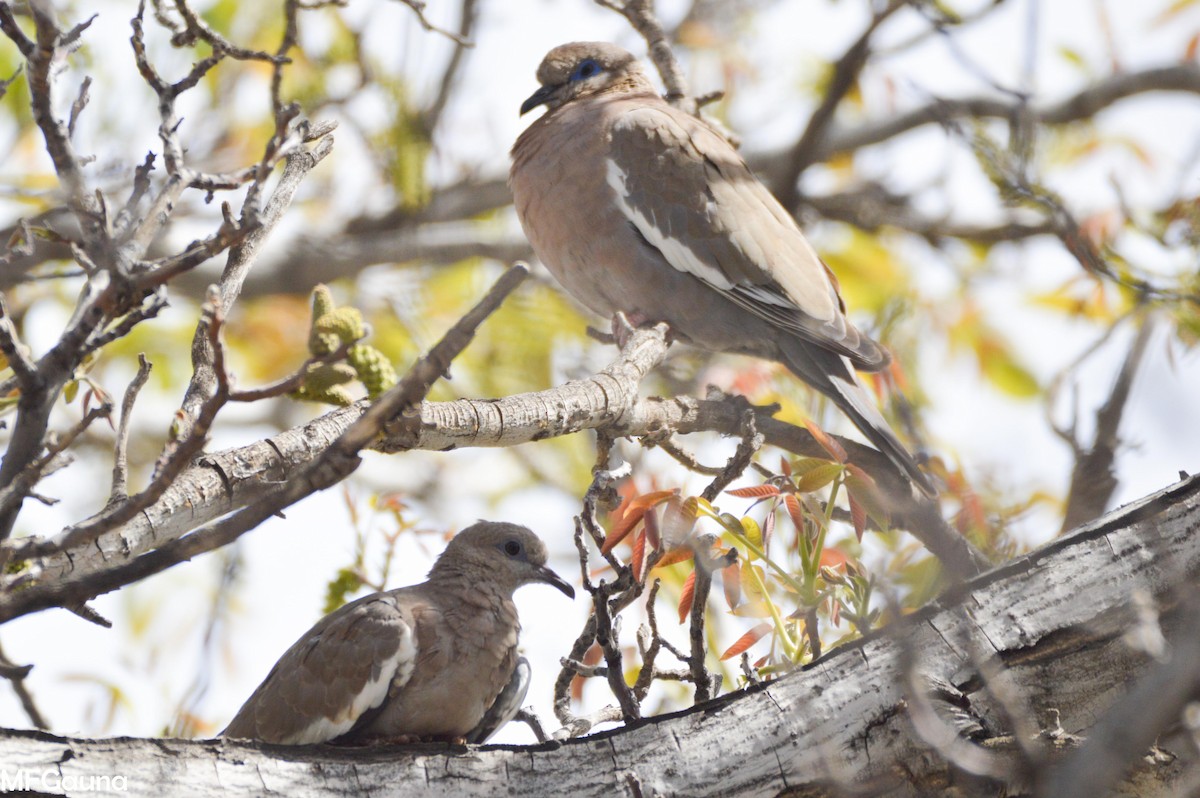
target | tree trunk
[{"x": 997, "y": 678}]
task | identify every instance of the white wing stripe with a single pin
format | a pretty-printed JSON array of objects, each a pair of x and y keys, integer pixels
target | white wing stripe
[
  {"x": 396, "y": 669},
  {"x": 677, "y": 253}
]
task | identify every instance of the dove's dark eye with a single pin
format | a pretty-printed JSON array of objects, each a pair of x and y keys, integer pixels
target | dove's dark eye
[
  {"x": 585, "y": 70},
  {"x": 512, "y": 548}
]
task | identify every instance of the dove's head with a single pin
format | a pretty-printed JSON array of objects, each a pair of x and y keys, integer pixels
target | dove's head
[
  {"x": 580, "y": 69},
  {"x": 507, "y": 554}
]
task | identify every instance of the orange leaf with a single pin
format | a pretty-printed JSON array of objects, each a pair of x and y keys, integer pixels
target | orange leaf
[
  {"x": 971, "y": 517},
  {"x": 755, "y": 492},
  {"x": 794, "y": 511},
  {"x": 858, "y": 516},
  {"x": 745, "y": 641},
  {"x": 675, "y": 555},
  {"x": 628, "y": 521},
  {"x": 827, "y": 443},
  {"x": 689, "y": 592},
  {"x": 832, "y": 557},
  {"x": 652, "y": 498},
  {"x": 731, "y": 581},
  {"x": 862, "y": 489},
  {"x": 639, "y": 555},
  {"x": 785, "y": 467},
  {"x": 652, "y": 534}
]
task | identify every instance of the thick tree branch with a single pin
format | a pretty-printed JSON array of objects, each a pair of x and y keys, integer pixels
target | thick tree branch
[
  {"x": 226, "y": 481},
  {"x": 1054, "y": 620}
]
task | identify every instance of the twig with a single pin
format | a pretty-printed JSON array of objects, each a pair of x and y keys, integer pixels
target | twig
[
  {"x": 1093, "y": 480},
  {"x": 684, "y": 458},
  {"x": 90, "y": 615},
  {"x": 80, "y": 103},
  {"x": 6, "y": 82},
  {"x": 418, "y": 7},
  {"x": 291, "y": 382},
  {"x": 467, "y": 16},
  {"x": 530, "y": 719},
  {"x": 640, "y": 14},
  {"x": 16, "y": 677},
  {"x": 126, "y": 218},
  {"x": 15, "y": 492},
  {"x": 120, "y": 477},
  {"x": 845, "y": 74},
  {"x": 750, "y": 443},
  {"x": 577, "y": 725},
  {"x": 705, "y": 564},
  {"x": 649, "y": 644},
  {"x": 24, "y": 369},
  {"x": 606, "y": 639},
  {"x": 197, "y": 29}
]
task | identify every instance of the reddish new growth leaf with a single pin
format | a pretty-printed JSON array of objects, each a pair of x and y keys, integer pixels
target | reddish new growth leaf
[
  {"x": 971, "y": 517},
  {"x": 785, "y": 467},
  {"x": 833, "y": 557},
  {"x": 676, "y": 555},
  {"x": 638, "y": 557},
  {"x": 623, "y": 525},
  {"x": 865, "y": 499},
  {"x": 685, "y": 600},
  {"x": 858, "y": 516},
  {"x": 827, "y": 443},
  {"x": 795, "y": 512},
  {"x": 653, "y": 535},
  {"x": 754, "y": 492},
  {"x": 745, "y": 641},
  {"x": 731, "y": 581},
  {"x": 393, "y": 502},
  {"x": 635, "y": 510},
  {"x": 897, "y": 376}
]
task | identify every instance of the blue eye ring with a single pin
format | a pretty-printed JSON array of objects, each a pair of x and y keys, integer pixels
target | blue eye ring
[{"x": 586, "y": 69}]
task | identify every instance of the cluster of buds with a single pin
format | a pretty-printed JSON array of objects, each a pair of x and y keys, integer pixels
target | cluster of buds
[{"x": 332, "y": 329}]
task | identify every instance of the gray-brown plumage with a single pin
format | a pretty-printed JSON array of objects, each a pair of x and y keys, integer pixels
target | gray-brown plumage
[
  {"x": 422, "y": 662},
  {"x": 638, "y": 207}
]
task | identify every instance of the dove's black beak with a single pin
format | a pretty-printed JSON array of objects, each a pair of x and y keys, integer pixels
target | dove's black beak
[
  {"x": 551, "y": 578},
  {"x": 539, "y": 97}
]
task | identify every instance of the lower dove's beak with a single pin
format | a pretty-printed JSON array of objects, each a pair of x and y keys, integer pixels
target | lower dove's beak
[{"x": 551, "y": 578}]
